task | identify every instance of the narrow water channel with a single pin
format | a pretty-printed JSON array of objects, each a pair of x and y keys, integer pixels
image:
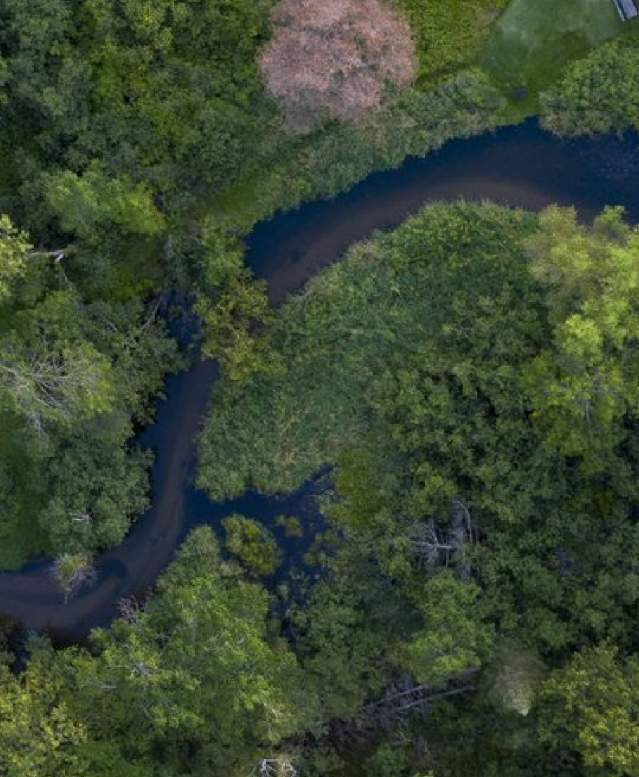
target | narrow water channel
[{"x": 516, "y": 166}]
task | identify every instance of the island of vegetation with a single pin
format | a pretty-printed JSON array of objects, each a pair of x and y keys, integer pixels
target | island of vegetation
[{"x": 466, "y": 384}]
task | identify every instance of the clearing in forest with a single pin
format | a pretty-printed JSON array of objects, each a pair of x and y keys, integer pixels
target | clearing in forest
[
  {"x": 532, "y": 42},
  {"x": 449, "y": 34}
]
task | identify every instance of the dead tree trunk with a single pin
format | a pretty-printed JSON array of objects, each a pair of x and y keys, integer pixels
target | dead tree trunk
[
  {"x": 405, "y": 698},
  {"x": 436, "y": 546}
]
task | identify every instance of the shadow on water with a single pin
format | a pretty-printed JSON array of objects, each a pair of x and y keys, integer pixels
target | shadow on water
[{"x": 516, "y": 166}]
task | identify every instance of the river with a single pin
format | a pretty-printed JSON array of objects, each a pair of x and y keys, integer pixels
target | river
[{"x": 515, "y": 166}]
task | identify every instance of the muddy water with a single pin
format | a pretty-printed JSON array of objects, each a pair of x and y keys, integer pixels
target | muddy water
[{"x": 520, "y": 166}]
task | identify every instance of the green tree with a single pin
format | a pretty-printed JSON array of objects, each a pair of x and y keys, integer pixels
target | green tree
[
  {"x": 49, "y": 372},
  {"x": 253, "y": 544},
  {"x": 590, "y": 706},
  {"x": 598, "y": 93},
  {"x": 72, "y": 571},
  {"x": 74, "y": 377},
  {"x": 195, "y": 678},
  {"x": 14, "y": 254},
  {"x": 453, "y": 642},
  {"x": 343, "y": 632},
  {"x": 582, "y": 388},
  {"x": 230, "y": 304},
  {"x": 95, "y": 486},
  {"x": 39, "y": 735},
  {"x": 93, "y": 201}
]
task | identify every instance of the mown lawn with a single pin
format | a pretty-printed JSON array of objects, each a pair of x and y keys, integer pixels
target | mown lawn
[{"x": 534, "y": 40}]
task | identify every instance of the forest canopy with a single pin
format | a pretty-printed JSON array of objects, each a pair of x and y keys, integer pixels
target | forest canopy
[
  {"x": 478, "y": 565},
  {"x": 477, "y": 403},
  {"x": 466, "y": 385}
]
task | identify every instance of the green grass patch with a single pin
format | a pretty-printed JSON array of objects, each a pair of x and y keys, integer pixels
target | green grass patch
[
  {"x": 449, "y": 34},
  {"x": 533, "y": 42},
  {"x": 21, "y": 535}
]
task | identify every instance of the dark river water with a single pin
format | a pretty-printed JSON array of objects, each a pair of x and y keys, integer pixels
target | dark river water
[{"x": 516, "y": 166}]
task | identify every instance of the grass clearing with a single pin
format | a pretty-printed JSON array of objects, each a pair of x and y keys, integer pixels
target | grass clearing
[
  {"x": 532, "y": 43},
  {"x": 449, "y": 34}
]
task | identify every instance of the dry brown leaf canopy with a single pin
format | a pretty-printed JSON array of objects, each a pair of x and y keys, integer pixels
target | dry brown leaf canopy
[{"x": 335, "y": 58}]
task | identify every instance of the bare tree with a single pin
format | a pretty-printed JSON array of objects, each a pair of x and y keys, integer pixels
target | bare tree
[
  {"x": 57, "y": 255},
  {"x": 405, "y": 697},
  {"x": 72, "y": 571},
  {"x": 130, "y": 609},
  {"x": 85, "y": 518},
  {"x": 428, "y": 545},
  {"x": 461, "y": 533},
  {"x": 437, "y": 546},
  {"x": 47, "y": 383},
  {"x": 274, "y": 767}
]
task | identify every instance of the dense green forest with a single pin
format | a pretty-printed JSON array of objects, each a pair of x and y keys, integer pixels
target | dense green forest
[
  {"x": 469, "y": 381},
  {"x": 481, "y": 561},
  {"x": 478, "y": 401}
]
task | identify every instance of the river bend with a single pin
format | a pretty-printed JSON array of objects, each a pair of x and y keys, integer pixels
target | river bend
[{"x": 515, "y": 166}]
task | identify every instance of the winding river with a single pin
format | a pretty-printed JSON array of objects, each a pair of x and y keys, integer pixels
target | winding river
[{"x": 516, "y": 166}]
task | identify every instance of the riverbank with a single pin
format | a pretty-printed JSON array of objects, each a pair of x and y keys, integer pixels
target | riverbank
[{"x": 518, "y": 166}]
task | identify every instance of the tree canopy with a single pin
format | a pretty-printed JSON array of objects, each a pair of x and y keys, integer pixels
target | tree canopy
[
  {"x": 465, "y": 384},
  {"x": 477, "y": 406}
]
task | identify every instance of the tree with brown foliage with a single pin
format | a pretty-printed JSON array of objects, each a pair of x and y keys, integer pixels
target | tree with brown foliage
[{"x": 335, "y": 58}]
